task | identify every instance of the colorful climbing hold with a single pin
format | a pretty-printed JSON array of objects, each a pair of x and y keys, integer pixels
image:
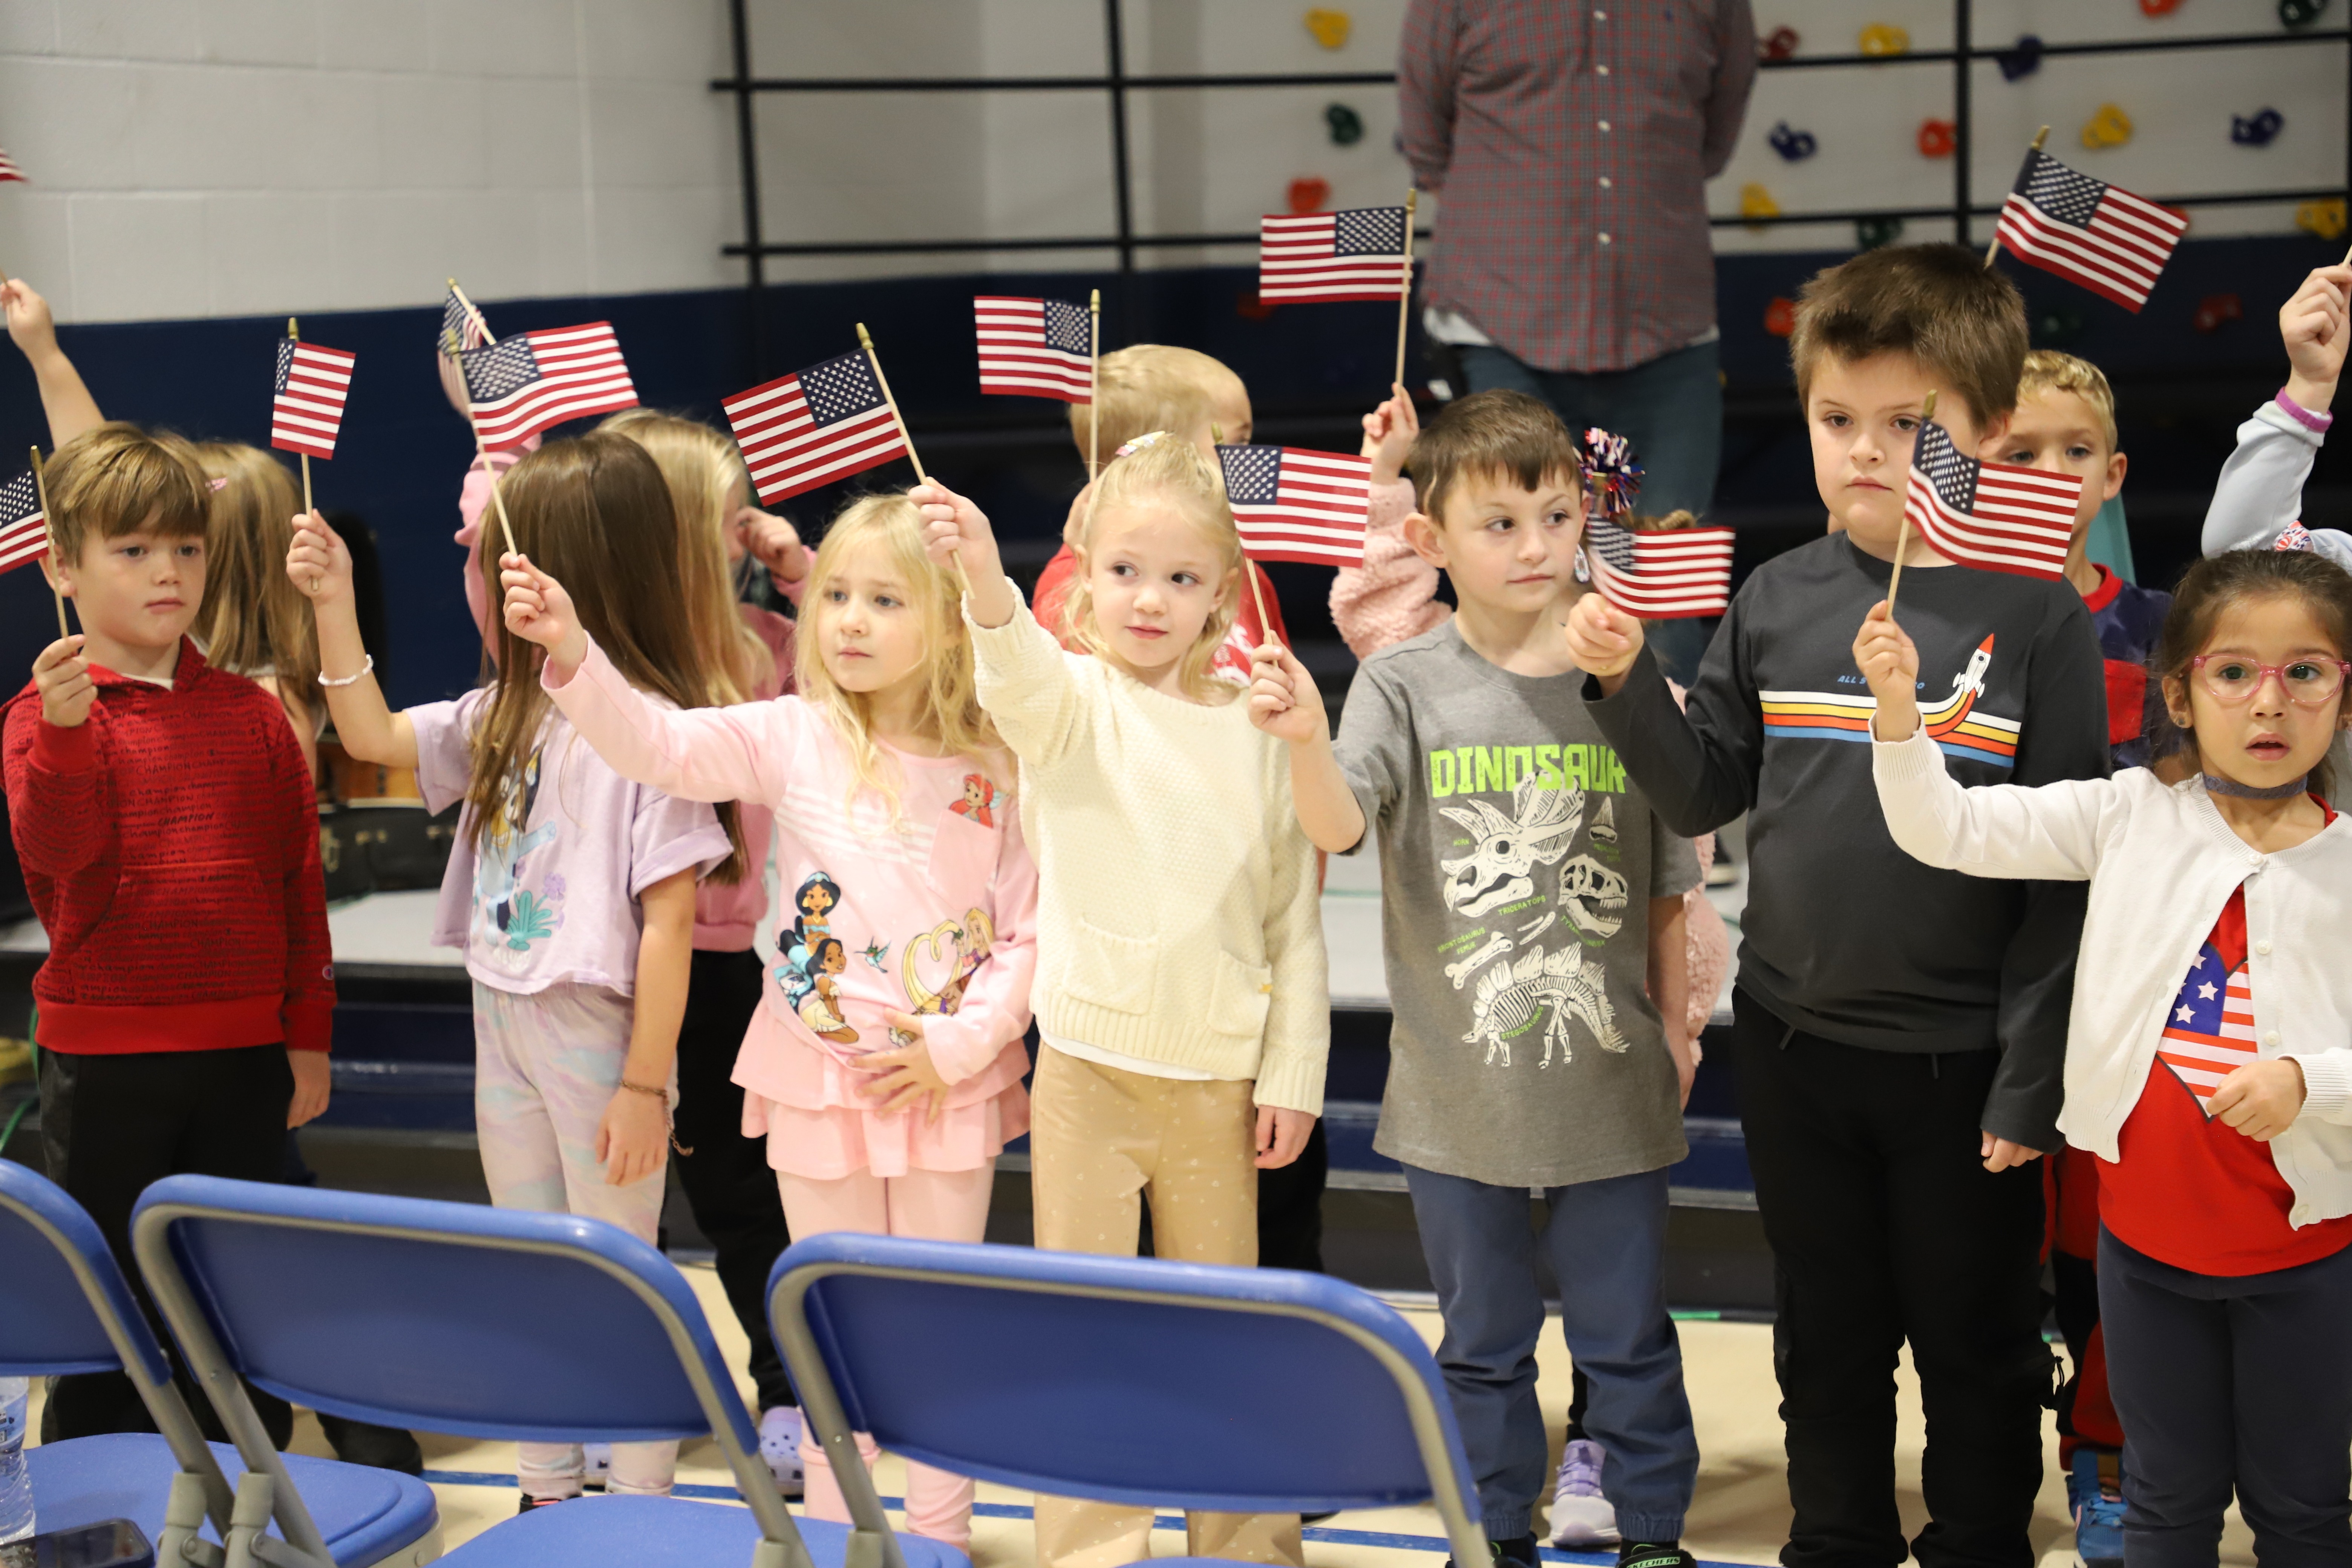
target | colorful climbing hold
[
  {"x": 2300, "y": 13},
  {"x": 2324, "y": 217},
  {"x": 1346, "y": 126},
  {"x": 2215, "y": 310},
  {"x": 2110, "y": 126},
  {"x": 1309, "y": 194},
  {"x": 1881, "y": 38},
  {"x": 1794, "y": 145},
  {"x": 2159, "y": 7},
  {"x": 1756, "y": 202},
  {"x": 2022, "y": 58},
  {"x": 1329, "y": 27},
  {"x": 1870, "y": 233},
  {"x": 2257, "y": 130},
  {"x": 1781, "y": 317},
  {"x": 1779, "y": 43},
  {"x": 1938, "y": 138}
]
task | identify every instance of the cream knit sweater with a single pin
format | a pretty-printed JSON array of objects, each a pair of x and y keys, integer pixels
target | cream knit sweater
[{"x": 1178, "y": 917}]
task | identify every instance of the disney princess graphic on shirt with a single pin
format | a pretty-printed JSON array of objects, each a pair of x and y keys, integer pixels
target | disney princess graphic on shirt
[
  {"x": 510, "y": 918},
  {"x": 814, "y": 958},
  {"x": 819, "y": 1005},
  {"x": 980, "y": 800},
  {"x": 958, "y": 948}
]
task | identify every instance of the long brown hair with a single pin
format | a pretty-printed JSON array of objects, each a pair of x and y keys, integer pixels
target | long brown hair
[
  {"x": 594, "y": 515},
  {"x": 2211, "y": 588},
  {"x": 704, "y": 470},
  {"x": 253, "y": 617}
]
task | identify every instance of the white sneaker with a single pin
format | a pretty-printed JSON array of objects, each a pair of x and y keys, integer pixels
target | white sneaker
[
  {"x": 1580, "y": 1517},
  {"x": 780, "y": 1445},
  {"x": 596, "y": 1459}
]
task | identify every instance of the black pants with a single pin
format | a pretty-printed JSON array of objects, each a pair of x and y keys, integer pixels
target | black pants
[
  {"x": 1290, "y": 1208},
  {"x": 727, "y": 1180},
  {"x": 112, "y": 1124},
  {"x": 1885, "y": 1227},
  {"x": 2226, "y": 1384}
]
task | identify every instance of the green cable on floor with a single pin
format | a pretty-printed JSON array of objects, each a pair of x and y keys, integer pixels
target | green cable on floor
[{"x": 32, "y": 1033}]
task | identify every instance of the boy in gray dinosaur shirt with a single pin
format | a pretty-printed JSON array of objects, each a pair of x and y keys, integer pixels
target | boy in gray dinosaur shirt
[{"x": 1532, "y": 922}]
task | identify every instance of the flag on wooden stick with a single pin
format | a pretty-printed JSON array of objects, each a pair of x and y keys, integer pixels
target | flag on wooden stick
[
  {"x": 1664, "y": 576},
  {"x": 24, "y": 527},
  {"x": 1034, "y": 348},
  {"x": 1991, "y": 515},
  {"x": 523, "y": 385},
  {"x": 1295, "y": 505},
  {"x": 462, "y": 326},
  {"x": 814, "y": 427},
  {"x": 305, "y": 414},
  {"x": 2087, "y": 231},
  {"x": 1358, "y": 254}
]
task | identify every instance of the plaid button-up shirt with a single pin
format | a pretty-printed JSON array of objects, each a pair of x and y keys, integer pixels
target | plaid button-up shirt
[{"x": 1570, "y": 144}]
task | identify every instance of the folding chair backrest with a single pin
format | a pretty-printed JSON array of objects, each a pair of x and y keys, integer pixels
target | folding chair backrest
[
  {"x": 63, "y": 1304},
  {"x": 1128, "y": 1379}
]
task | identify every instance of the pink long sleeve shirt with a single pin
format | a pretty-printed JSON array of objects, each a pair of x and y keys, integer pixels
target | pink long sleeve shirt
[{"x": 933, "y": 914}]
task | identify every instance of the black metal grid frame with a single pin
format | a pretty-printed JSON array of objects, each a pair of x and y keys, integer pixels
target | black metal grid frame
[{"x": 1117, "y": 82}]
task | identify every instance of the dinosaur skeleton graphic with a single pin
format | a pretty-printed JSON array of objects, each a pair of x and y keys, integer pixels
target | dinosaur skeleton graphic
[
  {"x": 1592, "y": 897},
  {"x": 1513, "y": 995},
  {"x": 1493, "y": 946},
  {"x": 1506, "y": 848}
]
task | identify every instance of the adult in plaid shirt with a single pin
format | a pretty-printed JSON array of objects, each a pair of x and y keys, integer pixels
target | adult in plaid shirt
[{"x": 1570, "y": 145}]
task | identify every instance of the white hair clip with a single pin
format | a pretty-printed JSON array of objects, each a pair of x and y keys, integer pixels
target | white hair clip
[
  {"x": 1140, "y": 442},
  {"x": 219, "y": 484}
]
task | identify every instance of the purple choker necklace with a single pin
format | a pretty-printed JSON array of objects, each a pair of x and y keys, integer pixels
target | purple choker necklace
[{"x": 2215, "y": 784}]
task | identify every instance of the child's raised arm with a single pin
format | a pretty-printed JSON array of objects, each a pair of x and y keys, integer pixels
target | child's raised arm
[
  {"x": 2312, "y": 326},
  {"x": 1285, "y": 703},
  {"x": 321, "y": 566},
  {"x": 2259, "y": 492},
  {"x": 1603, "y": 640},
  {"x": 1022, "y": 676},
  {"x": 955, "y": 530},
  {"x": 64, "y": 399}
]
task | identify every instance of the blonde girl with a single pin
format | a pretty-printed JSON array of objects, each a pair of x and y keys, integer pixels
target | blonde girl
[
  {"x": 571, "y": 889},
  {"x": 253, "y": 622},
  {"x": 885, "y": 1067},
  {"x": 1180, "y": 993},
  {"x": 745, "y": 652}
]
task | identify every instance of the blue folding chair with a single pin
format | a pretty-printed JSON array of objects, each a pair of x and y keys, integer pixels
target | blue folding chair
[
  {"x": 65, "y": 1308},
  {"x": 1123, "y": 1380},
  {"x": 483, "y": 1322}
]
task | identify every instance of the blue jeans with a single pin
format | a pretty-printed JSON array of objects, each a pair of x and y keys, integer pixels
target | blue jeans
[
  {"x": 1605, "y": 1242},
  {"x": 1671, "y": 410}
]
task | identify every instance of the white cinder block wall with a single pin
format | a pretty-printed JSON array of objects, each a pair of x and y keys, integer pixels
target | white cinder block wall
[{"x": 229, "y": 157}]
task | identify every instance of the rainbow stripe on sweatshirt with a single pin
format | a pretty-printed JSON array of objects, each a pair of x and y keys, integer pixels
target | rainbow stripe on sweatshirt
[{"x": 1954, "y": 724}]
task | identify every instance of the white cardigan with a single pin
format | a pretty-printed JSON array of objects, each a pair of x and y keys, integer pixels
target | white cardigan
[{"x": 2162, "y": 865}]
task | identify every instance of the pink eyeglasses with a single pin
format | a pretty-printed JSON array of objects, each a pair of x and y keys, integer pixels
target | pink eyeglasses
[{"x": 2306, "y": 681}]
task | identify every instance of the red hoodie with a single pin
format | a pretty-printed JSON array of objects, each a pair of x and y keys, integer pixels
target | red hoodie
[{"x": 169, "y": 843}]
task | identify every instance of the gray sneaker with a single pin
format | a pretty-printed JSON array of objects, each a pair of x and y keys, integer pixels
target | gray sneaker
[{"x": 1581, "y": 1517}]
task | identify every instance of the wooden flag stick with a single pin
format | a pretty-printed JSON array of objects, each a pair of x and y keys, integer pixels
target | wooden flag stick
[
  {"x": 479, "y": 320},
  {"x": 882, "y": 383},
  {"x": 1094, "y": 386},
  {"x": 1994, "y": 248},
  {"x": 49, "y": 521},
  {"x": 497, "y": 502},
  {"x": 1264, "y": 624},
  {"x": 1903, "y": 532},
  {"x": 294, "y": 334},
  {"x": 1404, "y": 295}
]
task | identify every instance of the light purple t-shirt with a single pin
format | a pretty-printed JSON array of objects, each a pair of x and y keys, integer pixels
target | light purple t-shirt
[{"x": 556, "y": 901}]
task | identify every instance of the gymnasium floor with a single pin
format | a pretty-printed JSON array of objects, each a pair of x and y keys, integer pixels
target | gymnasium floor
[{"x": 1741, "y": 1515}]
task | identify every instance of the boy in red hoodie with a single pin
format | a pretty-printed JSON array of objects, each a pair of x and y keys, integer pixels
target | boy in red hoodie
[{"x": 169, "y": 843}]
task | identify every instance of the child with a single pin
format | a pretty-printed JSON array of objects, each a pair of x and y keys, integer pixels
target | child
[
  {"x": 1893, "y": 1025},
  {"x": 746, "y": 652},
  {"x": 2260, "y": 497},
  {"x": 1181, "y": 1003},
  {"x": 570, "y": 890},
  {"x": 65, "y": 401},
  {"x": 890, "y": 1121},
  {"x": 2212, "y": 1012},
  {"x": 1563, "y": 910},
  {"x": 1154, "y": 386},
  {"x": 253, "y": 621},
  {"x": 170, "y": 844}
]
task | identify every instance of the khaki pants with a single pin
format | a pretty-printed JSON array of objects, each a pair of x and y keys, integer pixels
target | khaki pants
[{"x": 1099, "y": 1139}]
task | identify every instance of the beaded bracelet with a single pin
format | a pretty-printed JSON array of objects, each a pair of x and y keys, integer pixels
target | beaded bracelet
[{"x": 348, "y": 680}]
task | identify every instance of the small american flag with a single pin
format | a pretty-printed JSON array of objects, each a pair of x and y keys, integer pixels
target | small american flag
[
  {"x": 1353, "y": 255},
  {"x": 2210, "y": 1033},
  {"x": 1293, "y": 505},
  {"x": 526, "y": 383},
  {"x": 814, "y": 427},
  {"x": 24, "y": 530},
  {"x": 8, "y": 170},
  {"x": 307, "y": 413},
  {"x": 1034, "y": 348},
  {"x": 1664, "y": 576},
  {"x": 2087, "y": 231},
  {"x": 462, "y": 327},
  {"x": 1992, "y": 515}
]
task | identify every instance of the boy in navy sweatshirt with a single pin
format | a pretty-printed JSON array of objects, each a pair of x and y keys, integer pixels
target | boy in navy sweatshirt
[
  {"x": 1899, "y": 1029},
  {"x": 169, "y": 843}
]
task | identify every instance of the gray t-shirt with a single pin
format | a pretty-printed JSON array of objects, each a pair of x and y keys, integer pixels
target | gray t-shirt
[{"x": 1516, "y": 866}]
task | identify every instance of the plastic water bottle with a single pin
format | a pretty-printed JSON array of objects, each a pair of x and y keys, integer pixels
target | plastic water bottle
[{"x": 15, "y": 1485}]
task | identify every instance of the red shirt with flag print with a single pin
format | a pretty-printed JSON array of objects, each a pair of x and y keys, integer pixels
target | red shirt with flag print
[
  {"x": 1232, "y": 660},
  {"x": 169, "y": 843},
  {"x": 2190, "y": 1190}
]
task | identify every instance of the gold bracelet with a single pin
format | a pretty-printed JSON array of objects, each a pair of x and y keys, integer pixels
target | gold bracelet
[{"x": 669, "y": 1121}]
